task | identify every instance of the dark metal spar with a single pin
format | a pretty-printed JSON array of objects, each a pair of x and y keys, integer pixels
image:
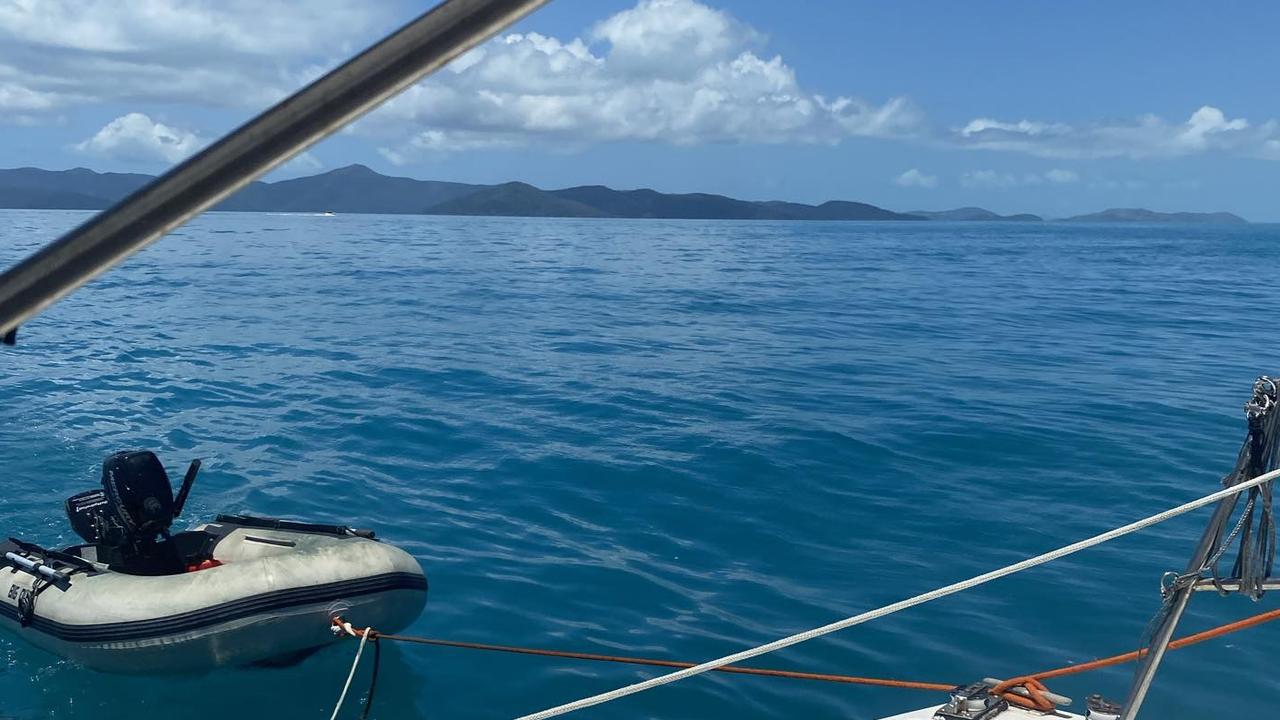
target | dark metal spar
[{"x": 293, "y": 125}]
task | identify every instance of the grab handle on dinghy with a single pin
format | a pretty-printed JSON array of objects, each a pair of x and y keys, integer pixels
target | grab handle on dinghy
[
  {"x": 65, "y": 558},
  {"x": 36, "y": 568},
  {"x": 266, "y": 523},
  {"x": 185, "y": 490}
]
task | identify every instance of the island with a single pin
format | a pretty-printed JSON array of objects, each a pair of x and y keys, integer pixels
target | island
[
  {"x": 359, "y": 189},
  {"x": 1142, "y": 215},
  {"x": 974, "y": 214}
]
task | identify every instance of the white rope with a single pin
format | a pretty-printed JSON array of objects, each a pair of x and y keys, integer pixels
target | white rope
[
  {"x": 901, "y": 604},
  {"x": 359, "y": 651}
]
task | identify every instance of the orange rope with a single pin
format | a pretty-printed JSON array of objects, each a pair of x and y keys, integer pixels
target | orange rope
[
  {"x": 1179, "y": 643},
  {"x": 1035, "y": 698},
  {"x": 881, "y": 682},
  {"x": 1033, "y": 684}
]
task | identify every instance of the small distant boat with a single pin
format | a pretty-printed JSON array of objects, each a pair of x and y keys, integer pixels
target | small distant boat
[
  {"x": 237, "y": 591},
  {"x": 328, "y": 213}
]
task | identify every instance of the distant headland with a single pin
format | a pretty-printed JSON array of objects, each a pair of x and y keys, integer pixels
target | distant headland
[
  {"x": 358, "y": 189},
  {"x": 1140, "y": 215}
]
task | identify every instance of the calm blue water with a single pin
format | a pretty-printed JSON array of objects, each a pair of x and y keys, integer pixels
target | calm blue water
[{"x": 672, "y": 439}]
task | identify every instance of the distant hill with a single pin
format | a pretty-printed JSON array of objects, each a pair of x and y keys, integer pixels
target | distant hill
[
  {"x": 95, "y": 190},
  {"x": 357, "y": 189},
  {"x": 26, "y": 197},
  {"x": 352, "y": 189},
  {"x": 653, "y": 204},
  {"x": 514, "y": 199},
  {"x": 834, "y": 210},
  {"x": 974, "y": 214},
  {"x": 1140, "y": 215}
]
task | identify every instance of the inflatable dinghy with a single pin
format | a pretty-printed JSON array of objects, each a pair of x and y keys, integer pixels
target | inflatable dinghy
[{"x": 237, "y": 591}]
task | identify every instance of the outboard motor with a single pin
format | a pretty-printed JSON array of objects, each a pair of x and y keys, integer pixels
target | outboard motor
[{"x": 129, "y": 518}]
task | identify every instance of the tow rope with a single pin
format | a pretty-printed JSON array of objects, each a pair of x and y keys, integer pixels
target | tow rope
[
  {"x": 1255, "y": 532},
  {"x": 339, "y": 627},
  {"x": 1026, "y": 691}
]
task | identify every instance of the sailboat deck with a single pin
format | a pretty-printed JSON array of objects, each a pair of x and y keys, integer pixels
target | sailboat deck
[{"x": 1013, "y": 713}]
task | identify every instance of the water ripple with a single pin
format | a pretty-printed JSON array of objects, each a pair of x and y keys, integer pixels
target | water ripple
[{"x": 671, "y": 439}]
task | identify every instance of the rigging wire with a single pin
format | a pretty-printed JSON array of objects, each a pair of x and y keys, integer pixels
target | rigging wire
[
  {"x": 903, "y": 604},
  {"x": 1040, "y": 677},
  {"x": 1073, "y": 669},
  {"x": 1257, "y": 457},
  {"x": 364, "y": 638},
  {"x": 727, "y": 664}
]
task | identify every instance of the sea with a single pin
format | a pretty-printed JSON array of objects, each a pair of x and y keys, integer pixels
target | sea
[{"x": 671, "y": 439}]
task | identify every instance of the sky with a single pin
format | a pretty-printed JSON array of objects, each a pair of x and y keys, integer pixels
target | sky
[{"x": 1055, "y": 108}]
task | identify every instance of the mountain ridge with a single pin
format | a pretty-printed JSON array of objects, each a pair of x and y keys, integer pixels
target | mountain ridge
[
  {"x": 975, "y": 214},
  {"x": 359, "y": 189},
  {"x": 1142, "y": 215}
]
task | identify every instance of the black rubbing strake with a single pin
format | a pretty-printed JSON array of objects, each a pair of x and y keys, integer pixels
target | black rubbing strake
[{"x": 225, "y": 612}]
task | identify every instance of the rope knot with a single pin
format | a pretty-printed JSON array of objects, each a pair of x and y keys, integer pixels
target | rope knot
[
  {"x": 341, "y": 626},
  {"x": 1035, "y": 698}
]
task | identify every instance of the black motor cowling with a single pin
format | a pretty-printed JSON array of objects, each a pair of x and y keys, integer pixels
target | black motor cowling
[{"x": 128, "y": 517}]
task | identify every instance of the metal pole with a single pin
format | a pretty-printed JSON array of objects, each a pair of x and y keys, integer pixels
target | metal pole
[
  {"x": 311, "y": 114},
  {"x": 1178, "y": 604}
]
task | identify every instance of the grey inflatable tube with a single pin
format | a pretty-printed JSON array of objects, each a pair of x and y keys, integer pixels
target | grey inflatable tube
[{"x": 273, "y": 596}]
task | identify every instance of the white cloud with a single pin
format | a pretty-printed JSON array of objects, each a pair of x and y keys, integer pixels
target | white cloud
[
  {"x": 1207, "y": 124},
  {"x": 15, "y": 97},
  {"x": 915, "y": 178},
  {"x": 231, "y": 53},
  {"x": 1022, "y": 127},
  {"x": 251, "y": 27},
  {"x": 1003, "y": 180},
  {"x": 136, "y": 137},
  {"x": 392, "y": 156},
  {"x": 672, "y": 71},
  {"x": 671, "y": 38},
  {"x": 1208, "y": 129}
]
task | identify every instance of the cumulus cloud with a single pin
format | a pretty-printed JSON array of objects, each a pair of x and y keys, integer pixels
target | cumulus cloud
[
  {"x": 671, "y": 38},
  {"x": 913, "y": 178},
  {"x": 1002, "y": 180},
  {"x": 673, "y": 71},
  {"x": 1207, "y": 129},
  {"x": 136, "y": 137},
  {"x": 232, "y": 53}
]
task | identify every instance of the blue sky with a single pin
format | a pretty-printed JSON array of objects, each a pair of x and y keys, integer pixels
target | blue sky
[{"x": 1048, "y": 107}]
